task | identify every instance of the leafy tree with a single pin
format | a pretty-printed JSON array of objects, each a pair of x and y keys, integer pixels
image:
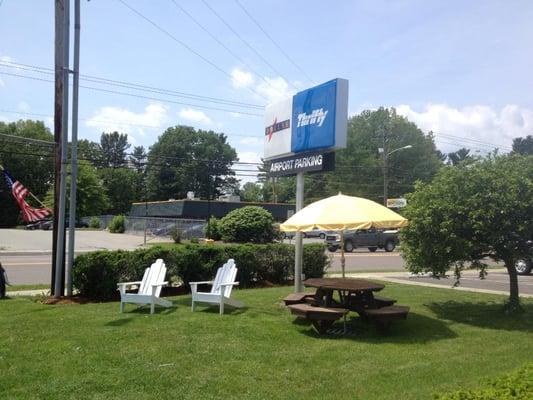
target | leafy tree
[
  {"x": 91, "y": 197},
  {"x": 247, "y": 224},
  {"x": 460, "y": 156},
  {"x": 114, "y": 146},
  {"x": 90, "y": 151},
  {"x": 251, "y": 192},
  {"x": 359, "y": 167},
  {"x": 29, "y": 162},
  {"x": 121, "y": 186},
  {"x": 138, "y": 158},
  {"x": 470, "y": 212},
  {"x": 184, "y": 159},
  {"x": 523, "y": 146}
]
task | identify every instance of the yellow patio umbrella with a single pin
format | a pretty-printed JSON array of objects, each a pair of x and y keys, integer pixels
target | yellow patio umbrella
[{"x": 343, "y": 213}]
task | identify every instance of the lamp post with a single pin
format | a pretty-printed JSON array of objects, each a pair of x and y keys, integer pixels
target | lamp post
[{"x": 386, "y": 155}]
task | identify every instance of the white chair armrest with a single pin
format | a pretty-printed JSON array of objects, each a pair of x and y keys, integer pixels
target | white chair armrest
[
  {"x": 201, "y": 283},
  {"x": 230, "y": 284},
  {"x": 160, "y": 283},
  {"x": 129, "y": 283}
]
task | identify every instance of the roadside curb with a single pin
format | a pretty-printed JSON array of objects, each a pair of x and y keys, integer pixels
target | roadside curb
[
  {"x": 14, "y": 253},
  {"x": 35, "y": 292}
]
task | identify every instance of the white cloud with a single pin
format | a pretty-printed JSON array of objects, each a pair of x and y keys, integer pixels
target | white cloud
[
  {"x": 2, "y": 84},
  {"x": 251, "y": 141},
  {"x": 197, "y": 116},
  {"x": 269, "y": 89},
  {"x": 123, "y": 120},
  {"x": 240, "y": 78},
  {"x": 473, "y": 124},
  {"x": 248, "y": 157}
]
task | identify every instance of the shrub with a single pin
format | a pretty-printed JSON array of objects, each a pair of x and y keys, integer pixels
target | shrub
[
  {"x": 94, "y": 223},
  {"x": 96, "y": 274},
  {"x": 117, "y": 224},
  {"x": 175, "y": 234},
  {"x": 517, "y": 385},
  {"x": 248, "y": 224},
  {"x": 212, "y": 229},
  {"x": 194, "y": 240}
]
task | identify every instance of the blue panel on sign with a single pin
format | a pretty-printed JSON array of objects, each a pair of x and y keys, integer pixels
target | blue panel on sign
[{"x": 313, "y": 118}]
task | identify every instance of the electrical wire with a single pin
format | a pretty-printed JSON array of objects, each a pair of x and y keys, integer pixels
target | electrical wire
[
  {"x": 272, "y": 40},
  {"x": 248, "y": 44},
  {"x": 183, "y": 44}
]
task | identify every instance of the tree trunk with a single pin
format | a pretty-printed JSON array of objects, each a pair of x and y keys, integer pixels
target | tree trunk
[{"x": 514, "y": 300}]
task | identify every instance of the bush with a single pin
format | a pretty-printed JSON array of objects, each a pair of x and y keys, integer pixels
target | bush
[
  {"x": 517, "y": 385},
  {"x": 96, "y": 274},
  {"x": 94, "y": 223},
  {"x": 249, "y": 224},
  {"x": 175, "y": 234},
  {"x": 117, "y": 224},
  {"x": 212, "y": 229}
]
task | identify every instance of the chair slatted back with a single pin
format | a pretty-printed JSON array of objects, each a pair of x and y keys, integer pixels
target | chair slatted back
[
  {"x": 225, "y": 274},
  {"x": 156, "y": 273}
]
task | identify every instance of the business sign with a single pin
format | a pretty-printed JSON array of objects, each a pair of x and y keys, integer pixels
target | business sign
[
  {"x": 308, "y": 162},
  {"x": 396, "y": 203},
  {"x": 312, "y": 120}
]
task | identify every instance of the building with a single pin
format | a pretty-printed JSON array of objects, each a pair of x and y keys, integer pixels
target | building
[{"x": 201, "y": 209}]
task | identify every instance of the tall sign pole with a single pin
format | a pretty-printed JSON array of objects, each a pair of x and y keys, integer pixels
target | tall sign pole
[
  {"x": 301, "y": 135},
  {"x": 58, "y": 127}
]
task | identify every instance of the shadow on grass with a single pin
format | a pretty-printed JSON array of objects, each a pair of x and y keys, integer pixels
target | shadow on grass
[
  {"x": 484, "y": 315},
  {"x": 416, "y": 329},
  {"x": 119, "y": 322},
  {"x": 146, "y": 310},
  {"x": 214, "y": 309}
]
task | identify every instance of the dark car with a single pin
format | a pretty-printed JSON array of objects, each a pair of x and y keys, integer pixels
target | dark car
[
  {"x": 524, "y": 265},
  {"x": 42, "y": 224},
  {"x": 372, "y": 239}
]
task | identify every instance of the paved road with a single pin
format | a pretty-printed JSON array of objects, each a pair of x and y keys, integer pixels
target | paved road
[{"x": 23, "y": 269}]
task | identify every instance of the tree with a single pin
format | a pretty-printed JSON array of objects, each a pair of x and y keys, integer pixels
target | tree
[
  {"x": 460, "y": 156},
  {"x": 359, "y": 167},
  {"x": 30, "y": 162},
  {"x": 121, "y": 186},
  {"x": 184, "y": 159},
  {"x": 523, "y": 146},
  {"x": 114, "y": 146},
  {"x": 138, "y": 158},
  {"x": 91, "y": 197},
  {"x": 251, "y": 192},
  {"x": 90, "y": 151},
  {"x": 470, "y": 212}
]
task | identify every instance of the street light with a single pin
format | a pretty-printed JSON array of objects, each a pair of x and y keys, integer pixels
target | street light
[{"x": 386, "y": 155}]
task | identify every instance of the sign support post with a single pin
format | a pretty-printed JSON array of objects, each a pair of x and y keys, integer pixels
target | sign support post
[{"x": 298, "y": 239}]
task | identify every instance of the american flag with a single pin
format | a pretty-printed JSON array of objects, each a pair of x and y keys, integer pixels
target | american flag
[{"x": 29, "y": 214}]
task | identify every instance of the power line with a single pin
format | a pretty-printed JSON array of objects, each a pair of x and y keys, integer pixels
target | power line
[
  {"x": 273, "y": 41},
  {"x": 221, "y": 43},
  {"x": 135, "y": 86},
  {"x": 183, "y": 44},
  {"x": 248, "y": 44},
  {"x": 139, "y": 96}
]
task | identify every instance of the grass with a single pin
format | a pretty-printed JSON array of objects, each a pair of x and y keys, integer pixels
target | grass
[
  {"x": 451, "y": 340},
  {"x": 32, "y": 286}
]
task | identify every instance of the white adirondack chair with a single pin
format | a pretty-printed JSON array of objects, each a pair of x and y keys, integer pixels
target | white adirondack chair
[
  {"x": 149, "y": 289},
  {"x": 221, "y": 288}
]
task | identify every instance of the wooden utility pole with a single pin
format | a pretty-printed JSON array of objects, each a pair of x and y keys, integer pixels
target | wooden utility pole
[{"x": 58, "y": 126}]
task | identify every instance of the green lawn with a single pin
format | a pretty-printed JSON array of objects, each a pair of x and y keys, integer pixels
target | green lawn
[{"x": 451, "y": 340}]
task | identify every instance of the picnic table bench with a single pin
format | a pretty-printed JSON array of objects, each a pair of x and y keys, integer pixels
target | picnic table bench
[
  {"x": 383, "y": 317},
  {"x": 322, "y": 309},
  {"x": 322, "y": 318}
]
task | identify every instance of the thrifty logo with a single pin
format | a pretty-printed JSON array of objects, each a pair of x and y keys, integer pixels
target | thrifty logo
[
  {"x": 316, "y": 117},
  {"x": 277, "y": 126}
]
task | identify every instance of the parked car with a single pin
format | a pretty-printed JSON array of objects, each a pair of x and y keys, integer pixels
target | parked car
[
  {"x": 524, "y": 265},
  {"x": 45, "y": 224},
  {"x": 373, "y": 239},
  {"x": 315, "y": 233}
]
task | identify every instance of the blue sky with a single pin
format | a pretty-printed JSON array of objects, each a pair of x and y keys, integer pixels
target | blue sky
[{"x": 462, "y": 69}]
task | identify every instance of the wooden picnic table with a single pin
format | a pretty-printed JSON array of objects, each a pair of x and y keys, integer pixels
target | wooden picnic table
[{"x": 354, "y": 294}]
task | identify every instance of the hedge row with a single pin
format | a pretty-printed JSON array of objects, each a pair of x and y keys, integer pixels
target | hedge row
[
  {"x": 516, "y": 385},
  {"x": 96, "y": 274}
]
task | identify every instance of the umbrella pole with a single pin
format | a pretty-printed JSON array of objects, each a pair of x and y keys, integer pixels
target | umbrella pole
[{"x": 343, "y": 260}]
